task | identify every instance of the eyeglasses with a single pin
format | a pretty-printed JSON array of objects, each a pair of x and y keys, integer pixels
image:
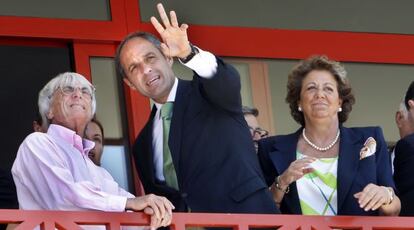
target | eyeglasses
[
  {"x": 261, "y": 132},
  {"x": 69, "y": 90}
]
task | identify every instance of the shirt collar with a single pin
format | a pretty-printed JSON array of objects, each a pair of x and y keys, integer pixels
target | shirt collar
[
  {"x": 70, "y": 136},
  {"x": 171, "y": 96}
]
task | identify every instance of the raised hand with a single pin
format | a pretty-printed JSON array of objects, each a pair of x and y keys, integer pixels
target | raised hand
[
  {"x": 296, "y": 170},
  {"x": 174, "y": 37}
]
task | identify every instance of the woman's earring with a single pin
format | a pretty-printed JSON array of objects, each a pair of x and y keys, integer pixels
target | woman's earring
[
  {"x": 340, "y": 109},
  {"x": 300, "y": 109}
]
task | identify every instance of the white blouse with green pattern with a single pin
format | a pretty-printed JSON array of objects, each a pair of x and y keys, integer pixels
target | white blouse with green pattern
[{"x": 318, "y": 190}]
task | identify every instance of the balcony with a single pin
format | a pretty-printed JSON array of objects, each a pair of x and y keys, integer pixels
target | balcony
[{"x": 50, "y": 220}]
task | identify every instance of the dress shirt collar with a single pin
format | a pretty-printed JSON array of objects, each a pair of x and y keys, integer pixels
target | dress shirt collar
[
  {"x": 171, "y": 96},
  {"x": 70, "y": 136}
]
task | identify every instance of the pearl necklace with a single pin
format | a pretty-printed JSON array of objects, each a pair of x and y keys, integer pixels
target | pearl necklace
[{"x": 322, "y": 149}]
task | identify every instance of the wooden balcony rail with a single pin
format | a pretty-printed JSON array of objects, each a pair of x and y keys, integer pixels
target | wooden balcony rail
[{"x": 50, "y": 220}]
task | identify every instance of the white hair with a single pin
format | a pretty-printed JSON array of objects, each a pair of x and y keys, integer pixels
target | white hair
[
  {"x": 60, "y": 81},
  {"x": 403, "y": 109}
]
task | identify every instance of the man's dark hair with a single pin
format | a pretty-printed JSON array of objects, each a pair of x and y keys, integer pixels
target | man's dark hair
[
  {"x": 144, "y": 35},
  {"x": 250, "y": 110},
  {"x": 97, "y": 122},
  {"x": 409, "y": 95}
]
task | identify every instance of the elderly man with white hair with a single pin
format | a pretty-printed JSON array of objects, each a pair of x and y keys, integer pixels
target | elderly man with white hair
[{"x": 52, "y": 170}]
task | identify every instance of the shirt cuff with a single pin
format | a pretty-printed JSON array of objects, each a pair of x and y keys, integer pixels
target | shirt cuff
[
  {"x": 117, "y": 203},
  {"x": 204, "y": 64}
]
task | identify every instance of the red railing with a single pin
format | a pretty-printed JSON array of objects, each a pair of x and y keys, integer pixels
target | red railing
[{"x": 49, "y": 220}]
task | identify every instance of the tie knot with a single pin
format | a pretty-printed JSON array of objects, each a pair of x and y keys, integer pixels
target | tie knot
[{"x": 166, "y": 110}]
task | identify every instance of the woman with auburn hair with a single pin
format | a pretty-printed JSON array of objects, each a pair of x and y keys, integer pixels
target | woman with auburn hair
[{"x": 325, "y": 168}]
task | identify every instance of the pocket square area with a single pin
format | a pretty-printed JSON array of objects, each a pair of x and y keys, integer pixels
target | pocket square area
[{"x": 369, "y": 148}]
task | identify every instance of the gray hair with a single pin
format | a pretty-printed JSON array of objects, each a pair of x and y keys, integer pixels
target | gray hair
[
  {"x": 60, "y": 81},
  {"x": 403, "y": 109}
]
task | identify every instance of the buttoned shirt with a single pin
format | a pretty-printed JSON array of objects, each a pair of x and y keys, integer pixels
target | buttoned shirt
[{"x": 52, "y": 171}]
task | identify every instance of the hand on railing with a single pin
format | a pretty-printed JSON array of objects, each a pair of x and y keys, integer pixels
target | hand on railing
[{"x": 158, "y": 207}]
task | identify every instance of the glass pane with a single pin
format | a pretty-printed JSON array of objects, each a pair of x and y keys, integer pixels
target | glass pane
[
  {"x": 182, "y": 71},
  {"x": 278, "y": 72},
  {"x": 350, "y": 15},
  {"x": 246, "y": 90},
  {"x": 114, "y": 160},
  {"x": 187, "y": 74},
  {"x": 73, "y": 9},
  {"x": 107, "y": 96}
]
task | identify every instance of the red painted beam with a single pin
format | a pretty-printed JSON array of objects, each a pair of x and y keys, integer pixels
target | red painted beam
[
  {"x": 299, "y": 44},
  {"x": 69, "y": 219}
]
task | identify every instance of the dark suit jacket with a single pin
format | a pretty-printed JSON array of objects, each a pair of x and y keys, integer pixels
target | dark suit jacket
[
  {"x": 403, "y": 174},
  {"x": 276, "y": 154},
  {"x": 212, "y": 150}
]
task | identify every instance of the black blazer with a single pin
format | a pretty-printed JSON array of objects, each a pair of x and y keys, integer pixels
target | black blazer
[
  {"x": 276, "y": 154},
  {"x": 212, "y": 150},
  {"x": 403, "y": 174}
]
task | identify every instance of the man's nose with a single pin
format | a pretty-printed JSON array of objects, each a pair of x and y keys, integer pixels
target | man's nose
[
  {"x": 77, "y": 92},
  {"x": 147, "y": 68}
]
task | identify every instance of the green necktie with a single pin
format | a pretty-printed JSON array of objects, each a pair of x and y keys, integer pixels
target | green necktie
[{"x": 168, "y": 166}]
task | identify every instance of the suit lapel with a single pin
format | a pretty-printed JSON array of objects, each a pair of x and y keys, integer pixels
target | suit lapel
[
  {"x": 180, "y": 104},
  {"x": 283, "y": 155},
  {"x": 348, "y": 162}
]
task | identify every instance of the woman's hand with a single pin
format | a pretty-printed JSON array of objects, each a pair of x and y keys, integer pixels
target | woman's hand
[
  {"x": 373, "y": 197},
  {"x": 296, "y": 170}
]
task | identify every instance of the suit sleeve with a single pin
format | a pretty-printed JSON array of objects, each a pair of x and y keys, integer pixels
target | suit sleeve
[
  {"x": 222, "y": 89},
  {"x": 384, "y": 172},
  {"x": 403, "y": 166},
  {"x": 268, "y": 168}
]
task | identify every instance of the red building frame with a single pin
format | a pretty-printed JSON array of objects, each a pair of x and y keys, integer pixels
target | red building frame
[{"x": 93, "y": 38}]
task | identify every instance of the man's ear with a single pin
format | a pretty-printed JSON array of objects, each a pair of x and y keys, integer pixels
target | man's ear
[
  {"x": 170, "y": 60},
  {"x": 398, "y": 117},
  {"x": 50, "y": 115},
  {"x": 129, "y": 83},
  {"x": 410, "y": 104}
]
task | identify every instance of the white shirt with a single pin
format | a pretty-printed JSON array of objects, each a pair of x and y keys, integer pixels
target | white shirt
[{"x": 205, "y": 65}]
